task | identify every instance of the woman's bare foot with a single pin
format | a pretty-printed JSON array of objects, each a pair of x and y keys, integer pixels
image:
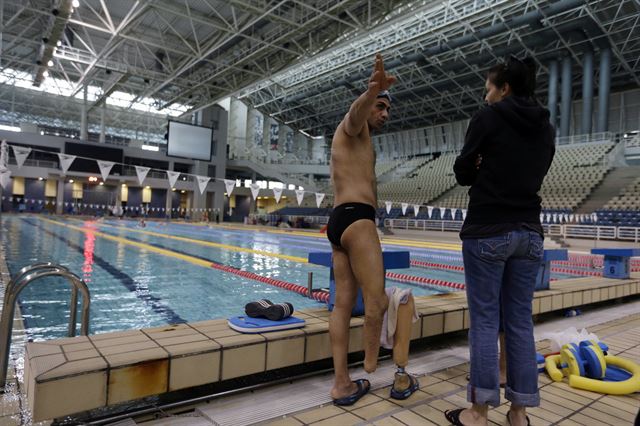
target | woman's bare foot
[{"x": 471, "y": 417}]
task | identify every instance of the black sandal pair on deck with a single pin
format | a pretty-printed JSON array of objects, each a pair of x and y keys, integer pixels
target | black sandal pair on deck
[
  {"x": 453, "y": 416},
  {"x": 265, "y": 308}
]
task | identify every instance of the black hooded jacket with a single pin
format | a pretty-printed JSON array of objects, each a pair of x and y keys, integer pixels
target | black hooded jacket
[{"x": 517, "y": 144}]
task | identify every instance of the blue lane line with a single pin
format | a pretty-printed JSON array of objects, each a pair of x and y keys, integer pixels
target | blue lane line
[{"x": 155, "y": 303}]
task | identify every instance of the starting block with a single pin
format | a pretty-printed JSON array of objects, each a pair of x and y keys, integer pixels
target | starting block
[
  {"x": 544, "y": 273},
  {"x": 390, "y": 259},
  {"x": 617, "y": 261}
]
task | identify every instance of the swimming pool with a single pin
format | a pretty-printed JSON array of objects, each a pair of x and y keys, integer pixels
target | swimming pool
[{"x": 172, "y": 273}]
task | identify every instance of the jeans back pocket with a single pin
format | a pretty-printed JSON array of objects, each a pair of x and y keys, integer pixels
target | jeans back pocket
[
  {"x": 536, "y": 246},
  {"x": 494, "y": 248}
]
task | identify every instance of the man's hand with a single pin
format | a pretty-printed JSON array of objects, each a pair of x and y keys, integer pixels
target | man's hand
[{"x": 379, "y": 80}]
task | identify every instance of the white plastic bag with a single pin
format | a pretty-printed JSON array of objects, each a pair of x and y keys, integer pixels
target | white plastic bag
[{"x": 570, "y": 335}]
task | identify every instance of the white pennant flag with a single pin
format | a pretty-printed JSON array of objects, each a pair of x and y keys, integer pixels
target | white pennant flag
[
  {"x": 21, "y": 154},
  {"x": 65, "y": 161},
  {"x": 387, "y": 205},
  {"x": 173, "y": 178},
  {"x": 202, "y": 183},
  {"x": 464, "y": 214},
  {"x": 255, "y": 189},
  {"x": 404, "y": 207},
  {"x": 142, "y": 173},
  {"x": 299, "y": 195},
  {"x": 416, "y": 209},
  {"x": 566, "y": 217},
  {"x": 105, "y": 168},
  {"x": 5, "y": 177},
  {"x": 229, "y": 184},
  {"x": 571, "y": 217},
  {"x": 548, "y": 216},
  {"x": 429, "y": 211},
  {"x": 594, "y": 217},
  {"x": 277, "y": 193},
  {"x": 555, "y": 217},
  {"x": 541, "y": 217},
  {"x": 319, "y": 198}
]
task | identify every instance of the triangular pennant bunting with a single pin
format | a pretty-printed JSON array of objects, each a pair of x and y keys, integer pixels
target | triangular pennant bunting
[
  {"x": 277, "y": 193},
  {"x": 105, "y": 168},
  {"x": 141, "y": 172},
  {"x": 229, "y": 184},
  {"x": 319, "y": 198},
  {"x": 299, "y": 195},
  {"x": 255, "y": 190},
  {"x": 21, "y": 154},
  {"x": 416, "y": 209},
  {"x": 429, "y": 211},
  {"x": 404, "y": 208},
  {"x": 173, "y": 178},
  {"x": 65, "y": 161},
  {"x": 203, "y": 181},
  {"x": 387, "y": 206},
  {"x": 5, "y": 178}
]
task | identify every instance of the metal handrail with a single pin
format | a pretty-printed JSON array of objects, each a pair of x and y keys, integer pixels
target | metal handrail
[{"x": 24, "y": 277}]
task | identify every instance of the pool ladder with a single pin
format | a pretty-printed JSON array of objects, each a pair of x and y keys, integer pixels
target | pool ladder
[{"x": 13, "y": 290}]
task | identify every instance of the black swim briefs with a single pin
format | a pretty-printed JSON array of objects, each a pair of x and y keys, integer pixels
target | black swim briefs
[{"x": 344, "y": 215}]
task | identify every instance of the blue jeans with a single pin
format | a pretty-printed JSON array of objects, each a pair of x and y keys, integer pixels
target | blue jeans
[{"x": 503, "y": 270}]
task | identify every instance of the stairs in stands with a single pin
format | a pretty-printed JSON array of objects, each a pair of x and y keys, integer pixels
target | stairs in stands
[{"x": 610, "y": 186}]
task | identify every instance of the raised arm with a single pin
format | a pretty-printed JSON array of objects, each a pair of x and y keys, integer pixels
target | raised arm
[{"x": 360, "y": 109}]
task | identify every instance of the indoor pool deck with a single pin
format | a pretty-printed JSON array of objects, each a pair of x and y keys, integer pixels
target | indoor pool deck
[
  {"x": 72, "y": 375},
  {"x": 446, "y": 389}
]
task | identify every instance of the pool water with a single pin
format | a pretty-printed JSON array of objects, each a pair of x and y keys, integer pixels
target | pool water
[{"x": 162, "y": 274}]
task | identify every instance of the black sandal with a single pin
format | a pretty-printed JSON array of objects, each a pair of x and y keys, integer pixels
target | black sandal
[
  {"x": 509, "y": 419},
  {"x": 453, "y": 416}
]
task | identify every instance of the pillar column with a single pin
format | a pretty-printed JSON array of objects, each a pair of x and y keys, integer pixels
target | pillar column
[
  {"x": 552, "y": 104},
  {"x": 60, "y": 196},
  {"x": 103, "y": 111},
  {"x": 587, "y": 92},
  {"x": 84, "y": 130},
  {"x": 604, "y": 90},
  {"x": 565, "y": 102}
]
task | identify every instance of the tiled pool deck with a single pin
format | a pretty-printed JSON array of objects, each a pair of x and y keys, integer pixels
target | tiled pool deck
[
  {"x": 66, "y": 376},
  {"x": 446, "y": 389}
]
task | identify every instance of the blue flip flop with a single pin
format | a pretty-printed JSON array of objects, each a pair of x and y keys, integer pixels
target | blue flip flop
[
  {"x": 363, "y": 387},
  {"x": 414, "y": 386}
]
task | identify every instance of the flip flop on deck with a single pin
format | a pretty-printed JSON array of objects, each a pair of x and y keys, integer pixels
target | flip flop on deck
[
  {"x": 414, "y": 385},
  {"x": 363, "y": 387}
]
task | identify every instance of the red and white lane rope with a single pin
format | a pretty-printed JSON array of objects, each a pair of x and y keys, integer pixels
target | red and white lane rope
[
  {"x": 423, "y": 281},
  {"x": 319, "y": 296},
  {"x": 430, "y": 265},
  {"x": 572, "y": 271}
]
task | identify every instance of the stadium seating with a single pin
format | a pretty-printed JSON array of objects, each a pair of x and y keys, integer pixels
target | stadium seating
[
  {"x": 426, "y": 183},
  {"x": 575, "y": 171}
]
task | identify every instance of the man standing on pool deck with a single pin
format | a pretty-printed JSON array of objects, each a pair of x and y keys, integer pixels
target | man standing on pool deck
[{"x": 357, "y": 255}]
